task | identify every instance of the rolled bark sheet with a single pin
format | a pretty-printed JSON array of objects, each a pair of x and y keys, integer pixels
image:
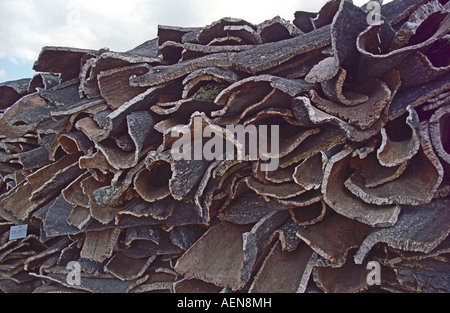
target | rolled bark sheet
[{"x": 278, "y": 157}]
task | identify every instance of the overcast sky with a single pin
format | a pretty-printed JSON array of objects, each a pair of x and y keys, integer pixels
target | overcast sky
[{"x": 28, "y": 25}]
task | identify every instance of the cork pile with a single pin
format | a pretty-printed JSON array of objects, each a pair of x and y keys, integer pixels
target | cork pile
[{"x": 358, "y": 202}]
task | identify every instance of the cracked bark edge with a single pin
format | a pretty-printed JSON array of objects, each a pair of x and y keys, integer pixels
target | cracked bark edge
[
  {"x": 391, "y": 154},
  {"x": 345, "y": 203},
  {"x": 439, "y": 132},
  {"x": 408, "y": 233}
]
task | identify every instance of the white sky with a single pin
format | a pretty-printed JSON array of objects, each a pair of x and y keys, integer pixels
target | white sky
[{"x": 28, "y": 25}]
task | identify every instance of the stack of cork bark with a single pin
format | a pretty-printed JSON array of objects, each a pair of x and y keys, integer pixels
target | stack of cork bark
[{"x": 359, "y": 200}]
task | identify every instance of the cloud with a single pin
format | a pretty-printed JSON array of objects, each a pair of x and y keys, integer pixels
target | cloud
[
  {"x": 28, "y": 25},
  {"x": 2, "y": 73}
]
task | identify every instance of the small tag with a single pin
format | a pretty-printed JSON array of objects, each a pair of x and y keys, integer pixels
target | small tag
[{"x": 18, "y": 232}]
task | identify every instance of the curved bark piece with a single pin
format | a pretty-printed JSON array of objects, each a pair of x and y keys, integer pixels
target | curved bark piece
[
  {"x": 116, "y": 121},
  {"x": 349, "y": 278},
  {"x": 284, "y": 271},
  {"x": 343, "y": 34},
  {"x": 164, "y": 175},
  {"x": 333, "y": 237},
  {"x": 107, "y": 60},
  {"x": 278, "y": 191},
  {"x": 309, "y": 174},
  {"x": 171, "y": 51},
  {"x": 322, "y": 71},
  {"x": 415, "y": 186},
  {"x": 56, "y": 182},
  {"x": 151, "y": 233},
  {"x": 55, "y": 221},
  {"x": 290, "y": 136},
  {"x": 345, "y": 203},
  {"x": 43, "y": 80},
  {"x": 303, "y": 21},
  {"x": 363, "y": 115},
  {"x": 163, "y": 74},
  {"x": 309, "y": 215},
  {"x": 96, "y": 161},
  {"x": 195, "y": 80},
  {"x": 333, "y": 89},
  {"x": 186, "y": 107},
  {"x": 328, "y": 137},
  {"x": 246, "y": 101},
  {"x": 74, "y": 142},
  {"x": 45, "y": 175},
  {"x": 413, "y": 24},
  {"x": 103, "y": 213},
  {"x": 277, "y": 29},
  {"x": 219, "y": 45},
  {"x": 98, "y": 246},
  {"x": 74, "y": 194},
  {"x": 243, "y": 93},
  {"x": 114, "y": 84},
  {"x": 374, "y": 173},
  {"x": 65, "y": 61},
  {"x": 394, "y": 153},
  {"x": 146, "y": 49},
  {"x": 92, "y": 106},
  {"x": 32, "y": 117},
  {"x": 287, "y": 235},
  {"x": 400, "y": 10},
  {"x": 351, "y": 132},
  {"x": 147, "y": 248},
  {"x": 80, "y": 217},
  {"x": 282, "y": 175},
  {"x": 190, "y": 134},
  {"x": 185, "y": 236},
  {"x": 218, "y": 174},
  {"x": 222, "y": 243},
  {"x": 437, "y": 101},
  {"x": 415, "y": 97},
  {"x": 256, "y": 240},
  {"x": 326, "y": 14},
  {"x": 302, "y": 200},
  {"x": 63, "y": 95},
  {"x": 12, "y": 91},
  {"x": 420, "y": 228},
  {"x": 266, "y": 56},
  {"x": 152, "y": 183},
  {"x": 227, "y": 40},
  {"x": 217, "y": 29},
  {"x": 242, "y": 209},
  {"x": 139, "y": 212},
  {"x": 120, "y": 190},
  {"x": 126, "y": 268},
  {"x": 268, "y": 114},
  {"x": 374, "y": 64},
  {"x": 439, "y": 132},
  {"x": 140, "y": 128},
  {"x": 299, "y": 66},
  {"x": 25, "y": 104},
  {"x": 419, "y": 69},
  {"x": 175, "y": 33},
  {"x": 247, "y": 33}
]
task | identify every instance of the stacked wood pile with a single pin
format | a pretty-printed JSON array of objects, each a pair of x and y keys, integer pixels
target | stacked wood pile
[{"x": 364, "y": 122}]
